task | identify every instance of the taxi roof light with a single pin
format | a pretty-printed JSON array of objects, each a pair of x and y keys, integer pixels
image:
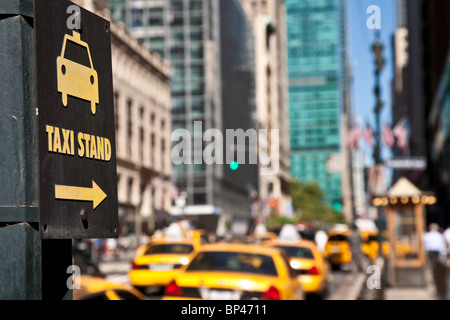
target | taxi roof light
[{"x": 271, "y": 294}]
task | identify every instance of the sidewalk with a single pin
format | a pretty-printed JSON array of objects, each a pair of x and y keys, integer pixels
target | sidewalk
[
  {"x": 350, "y": 289},
  {"x": 413, "y": 293}
]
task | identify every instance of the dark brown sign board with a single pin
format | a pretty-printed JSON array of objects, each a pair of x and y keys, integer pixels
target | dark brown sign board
[{"x": 77, "y": 156}]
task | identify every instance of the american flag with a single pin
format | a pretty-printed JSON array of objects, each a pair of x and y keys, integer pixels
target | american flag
[
  {"x": 353, "y": 137},
  {"x": 387, "y": 136},
  {"x": 173, "y": 192},
  {"x": 158, "y": 183},
  {"x": 401, "y": 134},
  {"x": 368, "y": 136}
]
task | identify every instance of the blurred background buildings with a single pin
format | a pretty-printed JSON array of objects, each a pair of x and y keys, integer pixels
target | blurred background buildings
[{"x": 275, "y": 64}]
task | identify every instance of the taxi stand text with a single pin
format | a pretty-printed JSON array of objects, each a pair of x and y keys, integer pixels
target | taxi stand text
[{"x": 62, "y": 141}]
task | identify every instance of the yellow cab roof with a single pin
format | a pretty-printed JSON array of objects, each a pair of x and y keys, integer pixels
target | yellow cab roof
[
  {"x": 172, "y": 241},
  {"x": 302, "y": 243},
  {"x": 246, "y": 248},
  {"x": 91, "y": 284}
]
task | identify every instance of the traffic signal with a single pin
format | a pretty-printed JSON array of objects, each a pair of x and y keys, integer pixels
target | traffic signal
[
  {"x": 234, "y": 165},
  {"x": 337, "y": 205}
]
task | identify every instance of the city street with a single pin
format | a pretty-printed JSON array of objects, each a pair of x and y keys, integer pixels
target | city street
[{"x": 344, "y": 285}]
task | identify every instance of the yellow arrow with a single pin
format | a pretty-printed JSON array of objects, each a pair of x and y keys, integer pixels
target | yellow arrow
[{"x": 94, "y": 194}]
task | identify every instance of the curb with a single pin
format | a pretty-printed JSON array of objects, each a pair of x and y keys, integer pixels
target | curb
[{"x": 357, "y": 289}]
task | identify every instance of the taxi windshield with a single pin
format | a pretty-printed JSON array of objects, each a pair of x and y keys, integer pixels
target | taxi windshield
[
  {"x": 233, "y": 262},
  {"x": 77, "y": 53},
  {"x": 297, "y": 252},
  {"x": 173, "y": 248},
  {"x": 338, "y": 237}
]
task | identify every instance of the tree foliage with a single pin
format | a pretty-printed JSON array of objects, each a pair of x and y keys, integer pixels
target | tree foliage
[{"x": 309, "y": 205}]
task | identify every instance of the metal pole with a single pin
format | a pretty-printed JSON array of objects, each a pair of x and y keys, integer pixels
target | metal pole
[
  {"x": 377, "y": 49},
  {"x": 30, "y": 268}
]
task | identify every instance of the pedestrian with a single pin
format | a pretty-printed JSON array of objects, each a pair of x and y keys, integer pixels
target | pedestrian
[
  {"x": 355, "y": 247},
  {"x": 321, "y": 239},
  {"x": 435, "y": 247},
  {"x": 447, "y": 239},
  {"x": 434, "y": 244}
]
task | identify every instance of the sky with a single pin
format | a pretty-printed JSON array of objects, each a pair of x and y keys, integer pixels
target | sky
[{"x": 360, "y": 40}]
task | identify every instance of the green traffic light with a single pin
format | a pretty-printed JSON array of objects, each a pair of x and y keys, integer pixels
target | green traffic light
[
  {"x": 337, "y": 205},
  {"x": 234, "y": 165}
]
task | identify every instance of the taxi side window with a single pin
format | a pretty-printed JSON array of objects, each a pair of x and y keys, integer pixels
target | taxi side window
[{"x": 292, "y": 273}]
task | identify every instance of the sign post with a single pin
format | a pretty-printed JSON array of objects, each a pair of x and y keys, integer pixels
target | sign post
[
  {"x": 77, "y": 162},
  {"x": 57, "y": 185}
]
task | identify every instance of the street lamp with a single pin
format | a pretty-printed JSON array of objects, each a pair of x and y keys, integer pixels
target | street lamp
[{"x": 377, "y": 49}]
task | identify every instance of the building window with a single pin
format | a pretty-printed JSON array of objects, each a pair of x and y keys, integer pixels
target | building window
[
  {"x": 196, "y": 21},
  {"x": 130, "y": 190},
  {"x": 177, "y": 21},
  {"x": 196, "y": 51},
  {"x": 199, "y": 198},
  {"x": 195, "y": 5},
  {"x": 152, "y": 141},
  {"x": 141, "y": 144},
  {"x": 137, "y": 18},
  {"x": 156, "y": 18},
  {"x": 152, "y": 119},
  {"x": 129, "y": 124}
]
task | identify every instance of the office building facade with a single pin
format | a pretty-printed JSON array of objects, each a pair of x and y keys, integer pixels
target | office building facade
[
  {"x": 268, "y": 20},
  {"x": 209, "y": 46},
  {"x": 316, "y": 70}
]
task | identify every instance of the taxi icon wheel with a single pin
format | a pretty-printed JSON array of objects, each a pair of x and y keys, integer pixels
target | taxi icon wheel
[{"x": 64, "y": 99}]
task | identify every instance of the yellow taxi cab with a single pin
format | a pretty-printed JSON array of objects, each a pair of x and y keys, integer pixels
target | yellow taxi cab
[
  {"x": 385, "y": 246},
  {"x": 369, "y": 245},
  {"x": 96, "y": 288},
  {"x": 226, "y": 271},
  {"x": 337, "y": 248},
  {"x": 160, "y": 261},
  {"x": 312, "y": 269}
]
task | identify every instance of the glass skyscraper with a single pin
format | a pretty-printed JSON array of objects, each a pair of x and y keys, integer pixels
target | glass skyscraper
[
  {"x": 209, "y": 46},
  {"x": 316, "y": 69}
]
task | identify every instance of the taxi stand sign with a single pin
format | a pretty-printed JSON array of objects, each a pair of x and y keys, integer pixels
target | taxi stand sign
[{"x": 77, "y": 161}]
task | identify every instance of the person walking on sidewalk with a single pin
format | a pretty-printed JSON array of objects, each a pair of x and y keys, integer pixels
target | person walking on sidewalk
[
  {"x": 355, "y": 247},
  {"x": 434, "y": 244}
]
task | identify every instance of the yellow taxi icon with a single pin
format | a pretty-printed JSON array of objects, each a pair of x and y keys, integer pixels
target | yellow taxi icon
[{"x": 75, "y": 79}]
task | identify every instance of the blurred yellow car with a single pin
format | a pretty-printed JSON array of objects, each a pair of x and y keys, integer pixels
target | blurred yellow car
[
  {"x": 236, "y": 272},
  {"x": 160, "y": 261},
  {"x": 370, "y": 246},
  {"x": 312, "y": 269},
  {"x": 96, "y": 288},
  {"x": 75, "y": 79},
  {"x": 337, "y": 248}
]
